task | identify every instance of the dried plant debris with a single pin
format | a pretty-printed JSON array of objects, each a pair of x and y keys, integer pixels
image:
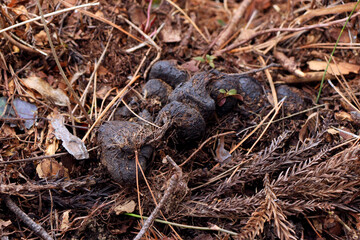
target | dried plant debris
[
  {"x": 198, "y": 96},
  {"x": 71, "y": 143}
]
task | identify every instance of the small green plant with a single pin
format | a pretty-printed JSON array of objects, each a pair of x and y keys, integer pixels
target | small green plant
[
  {"x": 209, "y": 59},
  {"x": 224, "y": 94}
]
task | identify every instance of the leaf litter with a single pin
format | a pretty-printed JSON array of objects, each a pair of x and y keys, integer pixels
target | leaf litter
[{"x": 300, "y": 180}]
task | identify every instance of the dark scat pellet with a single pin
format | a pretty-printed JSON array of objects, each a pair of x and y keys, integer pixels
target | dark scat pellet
[
  {"x": 294, "y": 101},
  {"x": 118, "y": 141},
  {"x": 168, "y": 72},
  {"x": 194, "y": 94},
  {"x": 157, "y": 89},
  {"x": 187, "y": 121}
]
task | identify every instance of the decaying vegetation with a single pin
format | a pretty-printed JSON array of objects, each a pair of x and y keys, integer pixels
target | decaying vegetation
[{"x": 269, "y": 161}]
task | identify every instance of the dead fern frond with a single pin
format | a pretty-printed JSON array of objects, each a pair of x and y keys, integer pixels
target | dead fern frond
[
  {"x": 283, "y": 228},
  {"x": 268, "y": 210},
  {"x": 329, "y": 180}
]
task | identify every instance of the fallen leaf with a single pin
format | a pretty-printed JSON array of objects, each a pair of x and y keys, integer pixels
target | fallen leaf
[
  {"x": 41, "y": 38},
  {"x": 4, "y": 224},
  {"x": 309, "y": 126},
  {"x": 332, "y": 131},
  {"x": 128, "y": 207},
  {"x": 65, "y": 220},
  {"x": 57, "y": 96},
  {"x": 52, "y": 145},
  {"x": 171, "y": 32},
  {"x": 344, "y": 38},
  {"x": 50, "y": 168},
  {"x": 222, "y": 155},
  {"x": 24, "y": 110},
  {"x": 341, "y": 116},
  {"x": 71, "y": 143},
  {"x": 334, "y": 69}
]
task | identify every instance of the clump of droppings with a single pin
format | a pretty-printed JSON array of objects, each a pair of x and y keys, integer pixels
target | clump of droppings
[
  {"x": 118, "y": 141},
  {"x": 187, "y": 122},
  {"x": 169, "y": 72},
  {"x": 157, "y": 89},
  {"x": 194, "y": 94}
]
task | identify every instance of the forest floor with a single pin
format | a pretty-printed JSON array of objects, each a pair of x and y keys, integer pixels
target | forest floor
[{"x": 262, "y": 144}]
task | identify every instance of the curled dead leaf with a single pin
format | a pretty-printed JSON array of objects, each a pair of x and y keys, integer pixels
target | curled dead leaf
[
  {"x": 71, "y": 143},
  {"x": 334, "y": 69},
  {"x": 56, "y": 96},
  {"x": 50, "y": 168},
  {"x": 128, "y": 207}
]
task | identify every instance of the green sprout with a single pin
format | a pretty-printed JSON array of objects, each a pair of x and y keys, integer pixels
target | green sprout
[
  {"x": 209, "y": 59},
  {"x": 223, "y": 94}
]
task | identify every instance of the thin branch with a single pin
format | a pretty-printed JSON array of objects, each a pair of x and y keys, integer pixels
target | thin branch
[{"x": 40, "y": 231}]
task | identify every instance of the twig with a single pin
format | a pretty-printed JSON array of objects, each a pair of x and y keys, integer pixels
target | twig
[
  {"x": 255, "y": 70},
  {"x": 34, "y": 158},
  {"x": 147, "y": 37},
  {"x": 130, "y": 50},
  {"x": 22, "y": 46},
  {"x": 40, "y": 231},
  {"x": 288, "y": 63},
  {"x": 17, "y": 189},
  {"x": 77, "y": 100},
  {"x": 173, "y": 183},
  {"x": 231, "y": 27}
]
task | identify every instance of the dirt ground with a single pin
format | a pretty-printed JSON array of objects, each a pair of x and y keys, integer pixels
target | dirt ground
[{"x": 213, "y": 119}]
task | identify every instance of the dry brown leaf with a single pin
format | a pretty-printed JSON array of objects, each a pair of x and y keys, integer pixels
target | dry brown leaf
[
  {"x": 102, "y": 92},
  {"x": 334, "y": 69},
  {"x": 65, "y": 221},
  {"x": 128, "y": 207},
  {"x": 309, "y": 126},
  {"x": 4, "y": 224},
  {"x": 71, "y": 143},
  {"x": 49, "y": 168},
  {"x": 341, "y": 116},
  {"x": 52, "y": 145},
  {"x": 332, "y": 131},
  {"x": 222, "y": 155},
  {"x": 56, "y": 96},
  {"x": 41, "y": 38},
  {"x": 171, "y": 32}
]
